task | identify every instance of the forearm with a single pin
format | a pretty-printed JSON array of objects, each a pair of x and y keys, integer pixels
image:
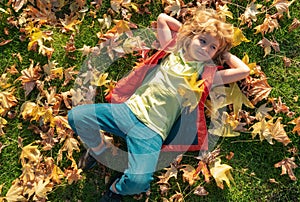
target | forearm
[
  {"x": 238, "y": 70},
  {"x": 166, "y": 25}
]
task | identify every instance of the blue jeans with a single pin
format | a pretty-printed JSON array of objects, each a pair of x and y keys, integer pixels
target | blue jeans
[{"x": 143, "y": 144}]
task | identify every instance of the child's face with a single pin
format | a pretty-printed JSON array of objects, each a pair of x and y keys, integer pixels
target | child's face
[{"x": 203, "y": 47}]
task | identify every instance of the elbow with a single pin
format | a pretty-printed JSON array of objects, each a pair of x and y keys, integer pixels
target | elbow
[{"x": 246, "y": 72}]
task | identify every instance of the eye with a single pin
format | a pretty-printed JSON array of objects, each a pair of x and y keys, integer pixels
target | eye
[
  {"x": 202, "y": 41},
  {"x": 213, "y": 47}
]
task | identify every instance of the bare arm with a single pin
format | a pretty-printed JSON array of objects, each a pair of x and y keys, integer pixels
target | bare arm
[
  {"x": 166, "y": 26},
  {"x": 238, "y": 70}
]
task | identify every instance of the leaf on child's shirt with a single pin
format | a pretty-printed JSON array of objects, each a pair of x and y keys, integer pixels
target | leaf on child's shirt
[
  {"x": 287, "y": 165},
  {"x": 234, "y": 96}
]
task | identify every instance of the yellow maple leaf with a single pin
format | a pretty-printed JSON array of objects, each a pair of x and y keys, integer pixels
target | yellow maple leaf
[
  {"x": 224, "y": 12},
  {"x": 261, "y": 128},
  {"x": 3, "y": 122},
  {"x": 221, "y": 172},
  {"x": 238, "y": 37},
  {"x": 15, "y": 192},
  {"x": 31, "y": 153},
  {"x": 100, "y": 80},
  {"x": 234, "y": 96},
  {"x": 252, "y": 66},
  {"x": 42, "y": 188}
]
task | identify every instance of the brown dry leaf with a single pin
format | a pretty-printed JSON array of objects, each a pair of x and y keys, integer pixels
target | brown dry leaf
[
  {"x": 287, "y": 165},
  {"x": 287, "y": 61},
  {"x": 202, "y": 167},
  {"x": 221, "y": 172},
  {"x": 250, "y": 14},
  {"x": 18, "y": 4},
  {"x": 270, "y": 23},
  {"x": 69, "y": 73},
  {"x": 178, "y": 197},
  {"x": 282, "y": 6},
  {"x": 70, "y": 45},
  {"x": 171, "y": 172},
  {"x": 296, "y": 121},
  {"x": 266, "y": 45},
  {"x": 73, "y": 174},
  {"x": 263, "y": 110},
  {"x": 105, "y": 22},
  {"x": 2, "y": 43},
  {"x": 260, "y": 89},
  {"x": 279, "y": 133},
  {"x": 29, "y": 77},
  {"x": 238, "y": 37},
  {"x": 200, "y": 191},
  {"x": 174, "y": 7},
  {"x": 279, "y": 106},
  {"x": 12, "y": 70},
  {"x": 189, "y": 174},
  {"x": 295, "y": 24},
  {"x": 70, "y": 23}
]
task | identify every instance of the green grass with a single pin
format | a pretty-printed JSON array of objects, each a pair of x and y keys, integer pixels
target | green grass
[{"x": 253, "y": 161}]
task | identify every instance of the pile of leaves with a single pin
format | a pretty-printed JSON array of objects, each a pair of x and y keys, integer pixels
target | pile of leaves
[{"x": 249, "y": 107}]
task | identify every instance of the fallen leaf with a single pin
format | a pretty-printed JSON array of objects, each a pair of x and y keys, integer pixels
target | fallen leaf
[
  {"x": 29, "y": 77},
  {"x": 15, "y": 192},
  {"x": 250, "y": 14},
  {"x": 171, "y": 172},
  {"x": 30, "y": 153},
  {"x": 282, "y": 6},
  {"x": 202, "y": 167},
  {"x": 279, "y": 133},
  {"x": 287, "y": 165},
  {"x": 296, "y": 121},
  {"x": 178, "y": 197},
  {"x": 221, "y": 172},
  {"x": 2, "y": 43},
  {"x": 200, "y": 191},
  {"x": 266, "y": 45},
  {"x": 189, "y": 174},
  {"x": 270, "y": 23},
  {"x": 295, "y": 24},
  {"x": 259, "y": 89},
  {"x": 42, "y": 188},
  {"x": 18, "y": 4},
  {"x": 238, "y": 37},
  {"x": 3, "y": 122}
]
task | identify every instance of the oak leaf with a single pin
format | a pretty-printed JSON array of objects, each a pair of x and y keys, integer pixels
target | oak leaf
[
  {"x": 221, "y": 172},
  {"x": 238, "y": 37},
  {"x": 287, "y": 165},
  {"x": 171, "y": 172}
]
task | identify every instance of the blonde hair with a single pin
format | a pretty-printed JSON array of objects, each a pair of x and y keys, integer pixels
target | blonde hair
[{"x": 206, "y": 21}]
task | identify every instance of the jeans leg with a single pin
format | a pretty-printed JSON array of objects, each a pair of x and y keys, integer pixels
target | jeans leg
[
  {"x": 87, "y": 121},
  {"x": 143, "y": 152}
]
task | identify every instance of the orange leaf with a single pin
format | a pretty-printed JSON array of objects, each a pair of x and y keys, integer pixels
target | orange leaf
[
  {"x": 279, "y": 133},
  {"x": 296, "y": 121},
  {"x": 189, "y": 174}
]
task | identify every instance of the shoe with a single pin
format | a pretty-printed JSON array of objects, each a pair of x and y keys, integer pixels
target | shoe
[
  {"x": 86, "y": 161},
  {"x": 110, "y": 196}
]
